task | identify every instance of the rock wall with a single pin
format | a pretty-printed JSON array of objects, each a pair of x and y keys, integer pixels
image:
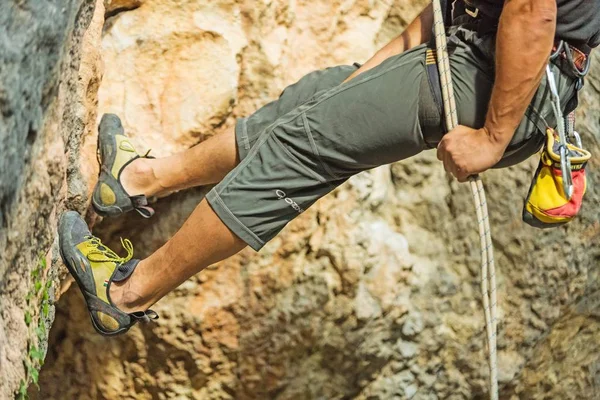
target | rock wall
[
  {"x": 48, "y": 89},
  {"x": 374, "y": 292}
]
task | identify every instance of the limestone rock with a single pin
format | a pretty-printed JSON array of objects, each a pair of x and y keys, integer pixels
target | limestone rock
[
  {"x": 171, "y": 72},
  {"x": 115, "y": 6},
  {"x": 374, "y": 292},
  {"x": 48, "y": 82}
]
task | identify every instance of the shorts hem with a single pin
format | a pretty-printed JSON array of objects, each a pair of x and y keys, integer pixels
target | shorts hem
[{"x": 232, "y": 222}]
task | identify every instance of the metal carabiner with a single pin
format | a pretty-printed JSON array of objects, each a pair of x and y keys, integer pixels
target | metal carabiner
[
  {"x": 565, "y": 161},
  {"x": 580, "y": 73},
  {"x": 558, "y": 50},
  {"x": 565, "y": 169},
  {"x": 577, "y": 138}
]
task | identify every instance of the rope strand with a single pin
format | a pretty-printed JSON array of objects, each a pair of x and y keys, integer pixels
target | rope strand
[{"x": 488, "y": 270}]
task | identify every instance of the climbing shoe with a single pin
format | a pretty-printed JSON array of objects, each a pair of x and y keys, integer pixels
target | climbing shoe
[
  {"x": 95, "y": 267},
  {"x": 115, "y": 152}
]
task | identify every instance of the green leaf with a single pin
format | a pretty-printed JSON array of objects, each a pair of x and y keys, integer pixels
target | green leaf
[
  {"x": 49, "y": 284},
  {"x": 35, "y": 377},
  {"x": 40, "y": 331},
  {"x": 29, "y": 369},
  {"x": 45, "y": 310},
  {"x": 27, "y": 318},
  {"x": 38, "y": 286},
  {"x": 46, "y": 296},
  {"x": 22, "y": 395},
  {"x": 36, "y": 354},
  {"x": 43, "y": 261}
]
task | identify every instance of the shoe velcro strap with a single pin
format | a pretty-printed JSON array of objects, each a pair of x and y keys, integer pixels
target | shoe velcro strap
[
  {"x": 124, "y": 271},
  {"x": 144, "y": 316},
  {"x": 145, "y": 212},
  {"x": 140, "y": 204},
  {"x": 139, "y": 200}
]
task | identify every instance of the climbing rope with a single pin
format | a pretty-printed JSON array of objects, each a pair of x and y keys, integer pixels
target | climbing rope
[{"x": 488, "y": 270}]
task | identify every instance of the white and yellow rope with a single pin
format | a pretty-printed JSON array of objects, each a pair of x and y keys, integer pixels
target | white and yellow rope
[{"x": 488, "y": 270}]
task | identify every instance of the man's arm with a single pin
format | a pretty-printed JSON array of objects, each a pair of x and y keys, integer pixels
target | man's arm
[
  {"x": 524, "y": 42},
  {"x": 525, "y": 39},
  {"x": 418, "y": 32}
]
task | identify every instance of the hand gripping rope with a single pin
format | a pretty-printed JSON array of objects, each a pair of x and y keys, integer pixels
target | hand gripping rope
[{"x": 488, "y": 269}]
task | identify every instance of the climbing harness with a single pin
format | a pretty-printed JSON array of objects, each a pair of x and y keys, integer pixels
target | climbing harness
[{"x": 488, "y": 270}]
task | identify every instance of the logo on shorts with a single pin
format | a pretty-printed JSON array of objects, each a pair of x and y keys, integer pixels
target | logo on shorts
[{"x": 282, "y": 196}]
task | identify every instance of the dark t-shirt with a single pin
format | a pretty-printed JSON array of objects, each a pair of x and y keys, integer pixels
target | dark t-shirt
[{"x": 578, "y": 21}]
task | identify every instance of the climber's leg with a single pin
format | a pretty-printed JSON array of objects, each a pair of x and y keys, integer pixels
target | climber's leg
[
  {"x": 208, "y": 162},
  {"x": 202, "y": 240},
  {"x": 204, "y": 164},
  {"x": 306, "y": 153}
]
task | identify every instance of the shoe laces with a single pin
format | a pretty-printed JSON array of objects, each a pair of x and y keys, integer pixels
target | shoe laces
[{"x": 101, "y": 253}]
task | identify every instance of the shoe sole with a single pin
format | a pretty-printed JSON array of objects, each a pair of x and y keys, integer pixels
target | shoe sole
[{"x": 106, "y": 135}]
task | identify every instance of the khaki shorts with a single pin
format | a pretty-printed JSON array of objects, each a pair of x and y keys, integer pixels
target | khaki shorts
[{"x": 320, "y": 132}]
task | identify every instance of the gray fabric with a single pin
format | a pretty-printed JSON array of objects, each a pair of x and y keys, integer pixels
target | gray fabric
[
  {"x": 332, "y": 134},
  {"x": 578, "y": 21},
  {"x": 320, "y": 132},
  {"x": 249, "y": 129}
]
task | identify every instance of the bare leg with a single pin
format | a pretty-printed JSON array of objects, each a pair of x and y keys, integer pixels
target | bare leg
[
  {"x": 204, "y": 164},
  {"x": 202, "y": 240}
]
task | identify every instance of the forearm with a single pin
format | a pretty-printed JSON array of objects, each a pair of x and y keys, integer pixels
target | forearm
[
  {"x": 523, "y": 45},
  {"x": 418, "y": 32}
]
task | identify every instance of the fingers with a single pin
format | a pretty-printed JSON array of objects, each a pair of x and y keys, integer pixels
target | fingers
[
  {"x": 462, "y": 178},
  {"x": 441, "y": 148},
  {"x": 450, "y": 165},
  {"x": 445, "y": 157}
]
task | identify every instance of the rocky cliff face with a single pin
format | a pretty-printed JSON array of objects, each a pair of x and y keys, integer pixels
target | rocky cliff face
[
  {"x": 48, "y": 87},
  {"x": 374, "y": 292}
]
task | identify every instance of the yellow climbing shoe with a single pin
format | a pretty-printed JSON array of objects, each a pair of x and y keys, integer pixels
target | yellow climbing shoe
[
  {"x": 115, "y": 152},
  {"x": 95, "y": 267}
]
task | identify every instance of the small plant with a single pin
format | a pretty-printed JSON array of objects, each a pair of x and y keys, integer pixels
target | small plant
[{"x": 36, "y": 314}]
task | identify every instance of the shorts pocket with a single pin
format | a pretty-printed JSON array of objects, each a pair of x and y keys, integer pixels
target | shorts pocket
[
  {"x": 298, "y": 163},
  {"x": 326, "y": 169},
  {"x": 270, "y": 189}
]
